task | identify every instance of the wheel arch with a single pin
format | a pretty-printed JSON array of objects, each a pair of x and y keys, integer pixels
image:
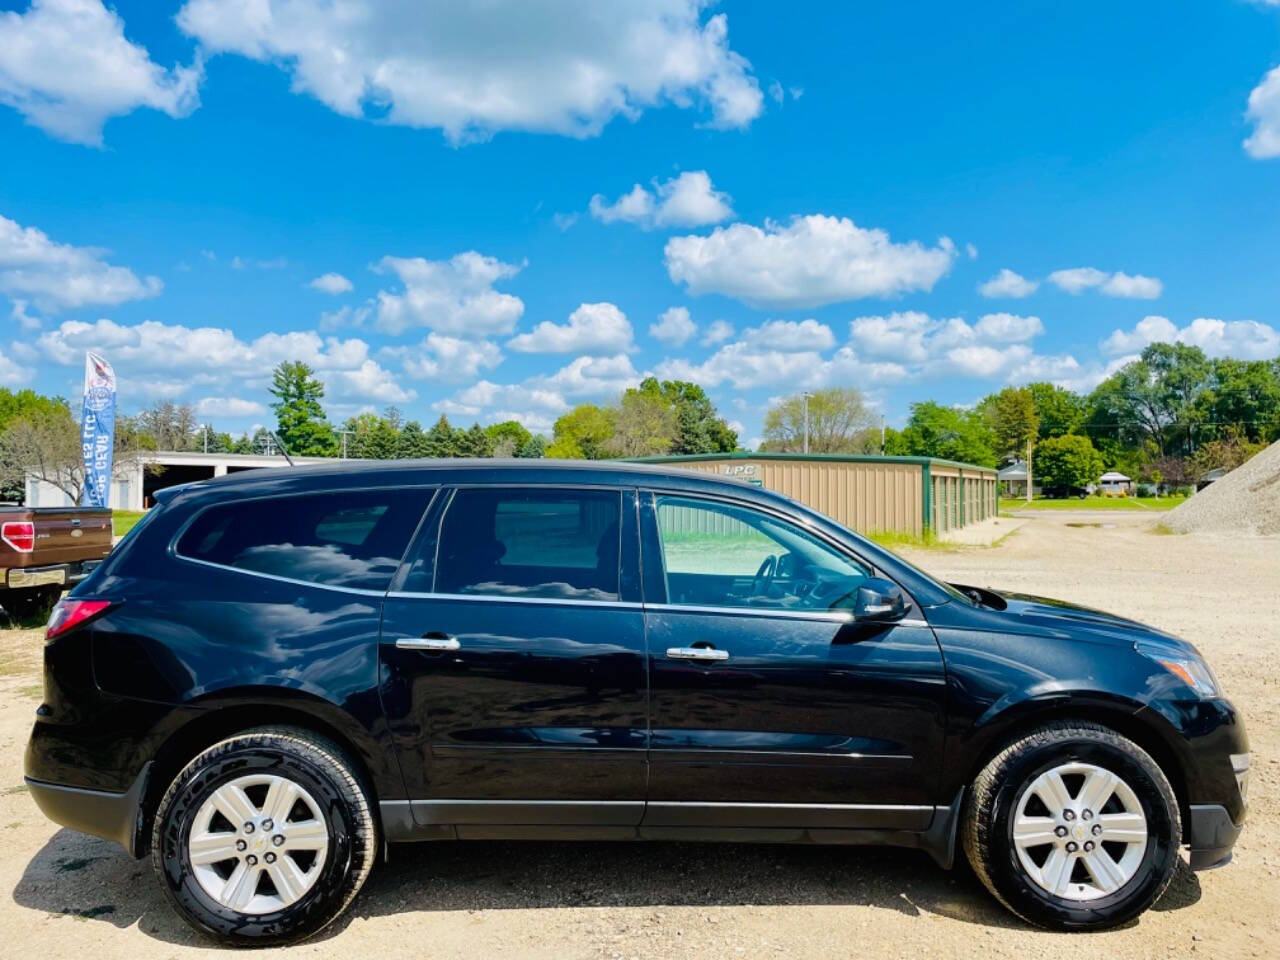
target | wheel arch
[
  {"x": 1128, "y": 718},
  {"x": 218, "y": 720}
]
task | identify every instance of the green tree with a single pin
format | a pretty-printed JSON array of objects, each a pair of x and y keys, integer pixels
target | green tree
[
  {"x": 300, "y": 418},
  {"x": 947, "y": 432},
  {"x": 582, "y": 434},
  {"x": 474, "y": 442},
  {"x": 644, "y": 424},
  {"x": 1014, "y": 420},
  {"x": 839, "y": 419},
  {"x": 19, "y": 403},
  {"x": 508, "y": 437},
  {"x": 699, "y": 427},
  {"x": 1060, "y": 410},
  {"x": 412, "y": 442},
  {"x": 1067, "y": 461},
  {"x": 442, "y": 439},
  {"x": 534, "y": 448},
  {"x": 1241, "y": 401}
]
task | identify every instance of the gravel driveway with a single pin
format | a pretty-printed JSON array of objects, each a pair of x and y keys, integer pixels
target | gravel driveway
[{"x": 73, "y": 896}]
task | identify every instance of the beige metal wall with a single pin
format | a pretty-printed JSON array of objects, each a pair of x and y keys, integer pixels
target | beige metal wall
[
  {"x": 869, "y": 497},
  {"x": 962, "y": 495}
]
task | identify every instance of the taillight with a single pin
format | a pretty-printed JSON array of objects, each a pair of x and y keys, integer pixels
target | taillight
[
  {"x": 19, "y": 534},
  {"x": 69, "y": 613}
]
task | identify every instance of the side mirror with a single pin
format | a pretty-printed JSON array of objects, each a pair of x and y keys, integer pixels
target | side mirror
[{"x": 880, "y": 601}]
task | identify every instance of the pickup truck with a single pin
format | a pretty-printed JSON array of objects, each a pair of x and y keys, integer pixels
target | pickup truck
[{"x": 46, "y": 549}]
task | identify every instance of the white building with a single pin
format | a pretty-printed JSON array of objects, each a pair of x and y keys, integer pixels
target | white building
[{"x": 135, "y": 483}]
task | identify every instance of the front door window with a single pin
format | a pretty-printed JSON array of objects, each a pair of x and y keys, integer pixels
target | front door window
[{"x": 722, "y": 555}]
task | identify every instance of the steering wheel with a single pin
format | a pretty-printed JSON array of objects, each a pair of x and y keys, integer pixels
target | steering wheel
[{"x": 764, "y": 576}]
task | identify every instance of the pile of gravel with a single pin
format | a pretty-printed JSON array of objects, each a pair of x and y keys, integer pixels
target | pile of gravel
[{"x": 1246, "y": 500}]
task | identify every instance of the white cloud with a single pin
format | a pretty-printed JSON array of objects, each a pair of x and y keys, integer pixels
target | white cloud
[
  {"x": 1119, "y": 284},
  {"x": 453, "y": 296},
  {"x": 1008, "y": 284},
  {"x": 812, "y": 261},
  {"x": 445, "y": 358},
  {"x": 57, "y": 275},
  {"x": 593, "y": 378},
  {"x": 674, "y": 327},
  {"x": 1007, "y": 328},
  {"x": 66, "y": 66},
  {"x": 331, "y": 283},
  {"x": 594, "y": 328},
  {"x": 1135, "y": 287},
  {"x": 12, "y": 373},
  {"x": 990, "y": 347},
  {"x": 718, "y": 332},
  {"x": 180, "y": 358},
  {"x": 25, "y": 321},
  {"x": 789, "y": 336},
  {"x": 1244, "y": 339},
  {"x": 473, "y": 69},
  {"x": 229, "y": 407},
  {"x": 1264, "y": 114},
  {"x": 744, "y": 366},
  {"x": 688, "y": 200}
]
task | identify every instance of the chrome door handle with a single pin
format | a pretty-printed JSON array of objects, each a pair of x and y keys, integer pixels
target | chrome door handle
[
  {"x": 696, "y": 653},
  {"x": 437, "y": 644}
]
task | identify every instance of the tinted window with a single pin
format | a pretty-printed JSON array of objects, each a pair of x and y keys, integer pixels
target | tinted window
[
  {"x": 530, "y": 543},
  {"x": 339, "y": 539},
  {"x": 721, "y": 555}
]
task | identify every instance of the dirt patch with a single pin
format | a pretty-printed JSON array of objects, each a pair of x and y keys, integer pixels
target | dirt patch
[{"x": 603, "y": 901}]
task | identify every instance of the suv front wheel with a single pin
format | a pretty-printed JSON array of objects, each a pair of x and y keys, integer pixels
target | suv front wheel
[
  {"x": 1073, "y": 827},
  {"x": 265, "y": 837}
]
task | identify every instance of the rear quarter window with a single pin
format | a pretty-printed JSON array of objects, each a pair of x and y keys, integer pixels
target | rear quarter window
[{"x": 345, "y": 539}]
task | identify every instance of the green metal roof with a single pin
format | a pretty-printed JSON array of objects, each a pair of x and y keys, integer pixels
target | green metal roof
[{"x": 840, "y": 457}]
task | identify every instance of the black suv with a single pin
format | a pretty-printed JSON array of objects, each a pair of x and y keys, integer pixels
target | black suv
[{"x": 278, "y": 672}]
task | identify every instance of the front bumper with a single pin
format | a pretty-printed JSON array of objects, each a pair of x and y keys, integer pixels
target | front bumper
[
  {"x": 112, "y": 816},
  {"x": 1211, "y": 834}
]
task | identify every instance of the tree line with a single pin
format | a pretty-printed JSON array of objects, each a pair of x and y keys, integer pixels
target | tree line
[{"x": 1164, "y": 419}]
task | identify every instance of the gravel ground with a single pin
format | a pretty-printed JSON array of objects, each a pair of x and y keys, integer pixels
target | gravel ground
[
  {"x": 74, "y": 896},
  {"x": 1246, "y": 500}
]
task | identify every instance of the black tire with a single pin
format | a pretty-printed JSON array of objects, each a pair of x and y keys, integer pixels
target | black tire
[
  {"x": 310, "y": 761},
  {"x": 986, "y": 829}
]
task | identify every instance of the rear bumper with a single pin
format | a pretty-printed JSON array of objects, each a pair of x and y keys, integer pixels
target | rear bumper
[
  {"x": 112, "y": 816},
  {"x": 55, "y": 574},
  {"x": 1211, "y": 834}
]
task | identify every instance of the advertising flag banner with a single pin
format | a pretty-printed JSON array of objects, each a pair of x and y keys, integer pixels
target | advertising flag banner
[{"x": 97, "y": 429}]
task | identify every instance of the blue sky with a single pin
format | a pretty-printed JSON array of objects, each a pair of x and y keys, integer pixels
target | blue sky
[{"x": 918, "y": 200}]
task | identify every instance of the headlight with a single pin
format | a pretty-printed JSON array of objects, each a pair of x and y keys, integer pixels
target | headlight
[{"x": 1192, "y": 671}]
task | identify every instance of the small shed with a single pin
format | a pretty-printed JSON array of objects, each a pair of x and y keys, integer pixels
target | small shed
[{"x": 1114, "y": 483}]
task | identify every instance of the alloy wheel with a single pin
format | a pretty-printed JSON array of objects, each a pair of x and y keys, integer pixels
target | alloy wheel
[
  {"x": 1079, "y": 831},
  {"x": 258, "y": 843}
]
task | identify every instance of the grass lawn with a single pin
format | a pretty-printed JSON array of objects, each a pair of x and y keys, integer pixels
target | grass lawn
[
  {"x": 1093, "y": 503},
  {"x": 122, "y": 521}
]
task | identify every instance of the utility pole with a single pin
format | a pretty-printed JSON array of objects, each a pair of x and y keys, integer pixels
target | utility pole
[
  {"x": 1028, "y": 469},
  {"x": 344, "y": 442},
  {"x": 882, "y": 434},
  {"x": 806, "y": 396}
]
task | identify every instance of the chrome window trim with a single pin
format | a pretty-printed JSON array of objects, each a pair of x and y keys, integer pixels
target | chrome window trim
[
  {"x": 499, "y": 598},
  {"x": 833, "y": 616}
]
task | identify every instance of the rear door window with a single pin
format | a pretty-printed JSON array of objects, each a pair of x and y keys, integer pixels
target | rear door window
[
  {"x": 344, "y": 539},
  {"x": 530, "y": 543}
]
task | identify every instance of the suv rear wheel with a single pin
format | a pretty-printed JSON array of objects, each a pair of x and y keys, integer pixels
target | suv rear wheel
[
  {"x": 1073, "y": 827},
  {"x": 265, "y": 837}
]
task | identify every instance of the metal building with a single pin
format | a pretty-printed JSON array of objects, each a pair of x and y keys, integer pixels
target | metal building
[{"x": 870, "y": 494}]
